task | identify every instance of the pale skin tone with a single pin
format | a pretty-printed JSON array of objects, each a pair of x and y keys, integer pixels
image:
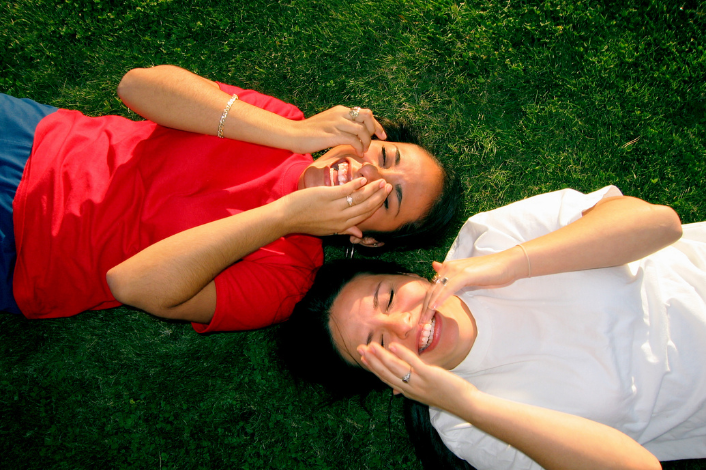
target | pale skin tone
[
  {"x": 615, "y": 231},
  {"x": 174, "y": 278}
]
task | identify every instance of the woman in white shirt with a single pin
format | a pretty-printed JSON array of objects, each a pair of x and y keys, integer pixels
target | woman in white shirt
[{"x": 563, "y": 331}]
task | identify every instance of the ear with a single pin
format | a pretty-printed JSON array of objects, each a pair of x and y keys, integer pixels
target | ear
[{"x": 368, "y": 242}]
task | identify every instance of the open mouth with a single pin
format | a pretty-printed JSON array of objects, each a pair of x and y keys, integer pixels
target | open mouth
[
  {"x": 427, "y": 336},
  {"x": 338, "y": 173}
]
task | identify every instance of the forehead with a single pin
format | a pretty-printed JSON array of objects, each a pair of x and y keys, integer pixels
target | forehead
[{"x": 347, "y": 313}]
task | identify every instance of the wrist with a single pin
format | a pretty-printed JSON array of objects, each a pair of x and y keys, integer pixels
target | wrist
[
  {"x": 279, "y": 212},
  {"x": 523, "y": 265}
]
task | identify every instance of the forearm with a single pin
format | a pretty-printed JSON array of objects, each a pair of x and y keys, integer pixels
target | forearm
[
  {"x": 614, "y": 232},
  {"x": 553, "y": 439},
  {"x": 172, "y": 271},
  {"x": 177, "y": 98}
]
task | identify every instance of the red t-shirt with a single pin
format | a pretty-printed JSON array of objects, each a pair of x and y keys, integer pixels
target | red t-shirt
[{"x": 96, "y": 191}]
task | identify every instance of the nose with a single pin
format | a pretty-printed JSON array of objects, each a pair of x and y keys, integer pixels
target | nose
[
  {"x": 369, "y": 171},
  {"x": 400, "y": 324}
]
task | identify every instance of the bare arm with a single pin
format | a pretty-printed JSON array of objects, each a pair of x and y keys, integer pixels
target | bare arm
[
  {"x": 176, "y": 98},
  {"x": 174, "y": 277},
  {"x": 553, "y": 439},
  {"x": 617, "y": 230}
]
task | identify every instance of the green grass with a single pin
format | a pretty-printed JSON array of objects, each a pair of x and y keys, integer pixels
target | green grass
[{"x": 519, "y": 98}]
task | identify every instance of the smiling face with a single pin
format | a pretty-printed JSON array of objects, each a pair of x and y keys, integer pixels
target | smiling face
[
  {"x": 386, "y": 309},
  {"x": 415, "y": 177}
]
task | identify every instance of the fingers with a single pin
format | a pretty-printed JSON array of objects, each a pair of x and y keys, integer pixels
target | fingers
[
  {"x": 388, "y": 367},
  {"x": 442, "y": 286},
  {"x": 372, "y": 125},
  {"x": 427, "y": 309},
  {"x": 367, "y": 200},
  {"x": 369, "y": 126}
]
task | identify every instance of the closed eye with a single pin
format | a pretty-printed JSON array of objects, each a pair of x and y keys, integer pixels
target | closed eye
[{"x": 392, "y": 296}]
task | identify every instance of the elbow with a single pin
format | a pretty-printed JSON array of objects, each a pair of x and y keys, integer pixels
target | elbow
[
  {"x": 669, "y": 224},
  {"x": 650, "y": 463},
  {"x": 127, "y": 83},
  {"x": 138, "y": 79},
  {"x": 118, "y": 286}
]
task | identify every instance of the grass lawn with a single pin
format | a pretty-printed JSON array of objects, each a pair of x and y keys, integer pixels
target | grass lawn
[{"x": 519, "y": 98}]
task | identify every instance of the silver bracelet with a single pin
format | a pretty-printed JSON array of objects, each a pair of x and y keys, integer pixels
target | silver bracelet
[
  {"x": 529, "y": 265},
  {"x": 225, "y": 115}
]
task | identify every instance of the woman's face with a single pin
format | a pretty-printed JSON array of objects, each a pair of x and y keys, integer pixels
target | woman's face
[
  {"x": 415, "y": 177},
  {"x": 386, "y": 309}
]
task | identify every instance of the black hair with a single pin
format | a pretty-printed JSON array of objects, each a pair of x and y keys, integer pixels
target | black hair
[
  {"x": 434, "y": 225},
  {"x": 306, "y": 347},
  {"x": 428, "y": 446}
]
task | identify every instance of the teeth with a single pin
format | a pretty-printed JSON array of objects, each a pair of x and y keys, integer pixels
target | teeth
[
  {"x": 330, "y": 173},
  {"x": 342, "y": 173},
  {"x": 427, "y": 335}
]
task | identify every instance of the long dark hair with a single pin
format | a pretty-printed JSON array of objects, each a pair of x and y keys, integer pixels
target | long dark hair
[
  {"x": 428, "y": 446},
  {"x": 306, "y": 347}
]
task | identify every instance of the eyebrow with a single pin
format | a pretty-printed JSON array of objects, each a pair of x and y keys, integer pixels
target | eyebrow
[{"x": 375, "y": 304}]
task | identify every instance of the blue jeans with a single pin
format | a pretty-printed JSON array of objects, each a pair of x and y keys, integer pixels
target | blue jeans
[{"x": 18, "y": 121}]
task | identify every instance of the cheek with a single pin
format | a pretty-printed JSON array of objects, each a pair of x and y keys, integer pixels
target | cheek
[{"x": 374, "y": 222}]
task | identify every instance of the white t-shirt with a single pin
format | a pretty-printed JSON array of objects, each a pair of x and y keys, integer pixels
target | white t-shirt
[{"x": 624, "y": 346}]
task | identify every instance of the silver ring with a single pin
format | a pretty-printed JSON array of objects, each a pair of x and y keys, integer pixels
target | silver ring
[
  {"x": 354, "y": 112},
  {"x": 435, "y": 279},
  {"x": 349, "y": 200},
  {"x": 406, "y": 378},
  {"x": 444, "y": 281}
]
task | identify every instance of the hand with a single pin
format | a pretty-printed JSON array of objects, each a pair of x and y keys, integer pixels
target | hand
[
  {"x": 324, "y": 210},
  {"x": 427, "y": 384},
  {"x": 496, "y": 270},
  {"x": 336, "y": 126}
]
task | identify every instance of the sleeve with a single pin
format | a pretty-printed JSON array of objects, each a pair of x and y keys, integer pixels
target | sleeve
[
  {"x": 269, "y": 103},
  {"x": 263, "y": 288},
  {"x": 497, "y": 230},
  {"x": 481, "y": 450}
]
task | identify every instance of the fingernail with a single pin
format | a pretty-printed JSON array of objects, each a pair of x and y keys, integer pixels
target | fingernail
[
  {"x": 388, "y": 188},
  {"x": 360, "y": 350},
  {"x": 363, "y": 180},
  {"x": 393, "y": 348}
]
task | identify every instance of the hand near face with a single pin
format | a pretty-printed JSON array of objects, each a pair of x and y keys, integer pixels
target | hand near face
[
  {"x": 325, "y": 210},
  {"x": 496, "y": 270},
  {"x": 427, "y": 384},
  {"x": 337, "y": 126}
]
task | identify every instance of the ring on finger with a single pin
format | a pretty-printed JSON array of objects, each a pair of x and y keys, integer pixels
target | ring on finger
[
  {"x": 443, "y": 280},
  {"x": 349, "y": 200},
  {"x": 355, "y": 110},
  {"x": 435, "y": 279},
  {"x": 406, "y": 378}
]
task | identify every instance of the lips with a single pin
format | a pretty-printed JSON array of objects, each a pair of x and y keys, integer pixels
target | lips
[
  {"x": 338, "y": 173},
  {"x": 431, "y": 339}
]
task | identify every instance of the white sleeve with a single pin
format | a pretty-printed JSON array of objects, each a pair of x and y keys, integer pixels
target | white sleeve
[
  {"x": 497, "y": 230},
  {"x": 481, "y": 450}
]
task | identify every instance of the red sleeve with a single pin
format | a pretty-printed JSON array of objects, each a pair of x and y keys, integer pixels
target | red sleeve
[
  {"x": 267, "y": 102},
  {"x": 263, "y": 287}
]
